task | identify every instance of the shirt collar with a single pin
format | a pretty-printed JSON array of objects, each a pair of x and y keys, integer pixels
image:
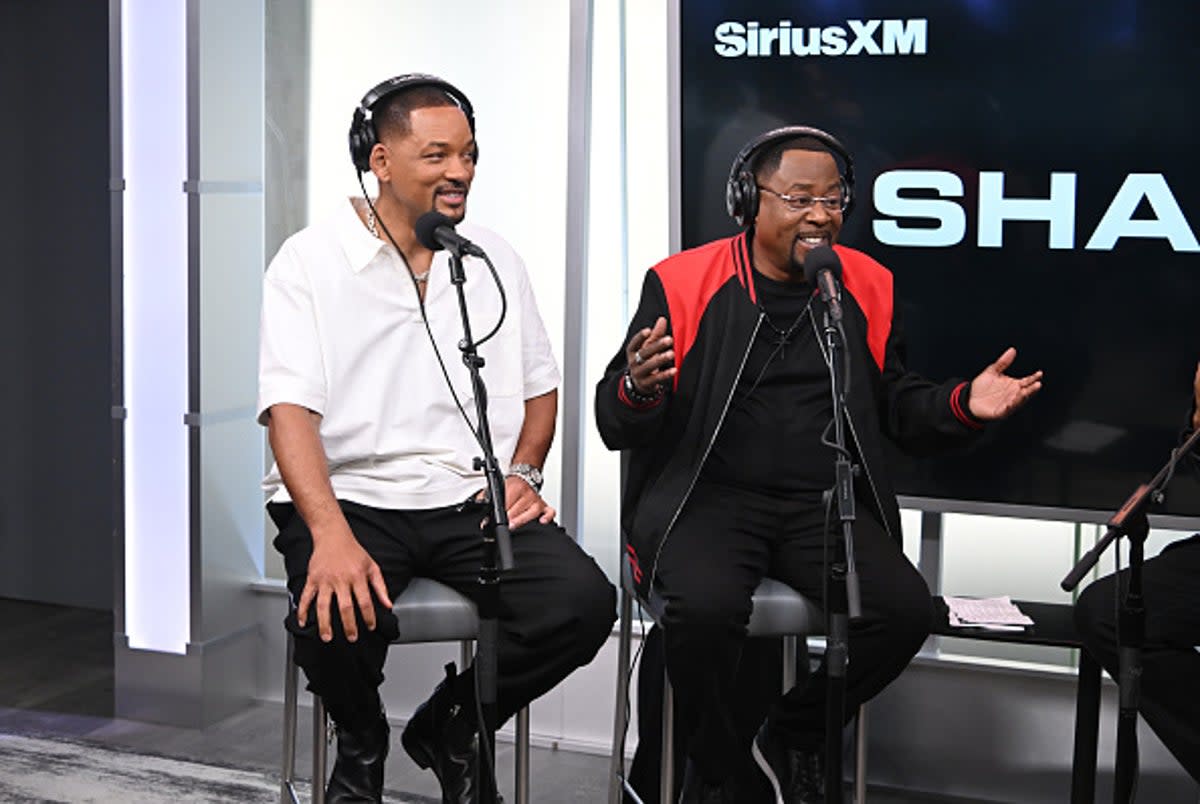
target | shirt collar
[{"x": 360, "y": 246}]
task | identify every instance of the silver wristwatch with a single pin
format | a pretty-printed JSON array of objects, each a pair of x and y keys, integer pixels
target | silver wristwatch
[{"x": 529, "y": 473}]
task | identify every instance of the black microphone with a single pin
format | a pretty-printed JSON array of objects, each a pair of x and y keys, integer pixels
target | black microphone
[
  {"x": 435, "y": 232},
  {"x": 823, "y": 268}
]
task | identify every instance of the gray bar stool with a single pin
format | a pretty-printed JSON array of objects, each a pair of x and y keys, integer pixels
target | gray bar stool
[
  {"x": 778, "y": 611},
  {"x": 428, "y": 611}
]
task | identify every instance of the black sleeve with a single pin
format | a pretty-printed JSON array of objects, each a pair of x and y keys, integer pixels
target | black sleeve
[
  {"x": 623, "y": 425},
  {"x": 922, "y": 417}
]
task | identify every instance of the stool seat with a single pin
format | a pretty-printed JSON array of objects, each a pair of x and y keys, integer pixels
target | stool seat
[
  {"x": 780, "y": 610},
  {"x": 429, "y": 611}
]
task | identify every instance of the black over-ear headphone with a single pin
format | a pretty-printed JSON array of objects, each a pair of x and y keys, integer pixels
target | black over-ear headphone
[
  {"x": 362, "y": 129},
  {"x": 741, "y": 192}
]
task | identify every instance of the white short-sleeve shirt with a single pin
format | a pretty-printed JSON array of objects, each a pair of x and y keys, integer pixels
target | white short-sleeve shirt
[{"x": 342, "y": 335}]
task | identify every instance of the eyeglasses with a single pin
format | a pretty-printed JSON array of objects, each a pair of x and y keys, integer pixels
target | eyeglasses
[{"x": 803, "y": 203}]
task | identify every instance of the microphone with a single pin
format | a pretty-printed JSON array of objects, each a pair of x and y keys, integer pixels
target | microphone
[
  {"x": 435, "y": 232},
  {"x": 823, "y": 268}
]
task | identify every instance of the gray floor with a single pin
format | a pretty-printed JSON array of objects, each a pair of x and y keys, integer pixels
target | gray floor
[{"x": 60, "y": 684}]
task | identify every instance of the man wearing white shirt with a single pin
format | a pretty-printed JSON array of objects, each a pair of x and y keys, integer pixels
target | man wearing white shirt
[{"x": 368, "y": 409}]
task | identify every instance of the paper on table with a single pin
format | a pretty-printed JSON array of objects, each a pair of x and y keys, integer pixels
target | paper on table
[{"x": 995, "y": 613}]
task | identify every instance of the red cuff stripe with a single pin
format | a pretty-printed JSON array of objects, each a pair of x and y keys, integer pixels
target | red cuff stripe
[
  {"x": 959, "y": 412},
  {"x": 635, "y": 569}
]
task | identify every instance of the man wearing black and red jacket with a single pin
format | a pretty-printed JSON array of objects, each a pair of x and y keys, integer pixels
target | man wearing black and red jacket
[
  {"x": 1170, "y": 661},
  {"x": 721, "y": 398}
]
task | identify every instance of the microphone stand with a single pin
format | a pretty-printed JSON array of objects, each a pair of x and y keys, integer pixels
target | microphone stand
[
  {"x": 497, "y": 547},
  {"x": 1130, "y": 520},
  {"x": 842, "y": 598}
]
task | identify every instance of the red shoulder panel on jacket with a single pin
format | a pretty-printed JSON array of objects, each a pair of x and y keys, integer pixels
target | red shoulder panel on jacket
[
  {"x": 690, "y": 279},
  {"x": 871, "y": 285}
]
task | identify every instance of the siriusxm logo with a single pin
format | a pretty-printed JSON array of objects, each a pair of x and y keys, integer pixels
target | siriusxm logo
[{"x": 856, "y": 38}]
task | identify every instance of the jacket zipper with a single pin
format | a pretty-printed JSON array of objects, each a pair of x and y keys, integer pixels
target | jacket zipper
[{"x": 700, "y": 466}]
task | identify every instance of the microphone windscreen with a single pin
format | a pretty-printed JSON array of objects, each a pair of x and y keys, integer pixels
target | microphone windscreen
[
  {"x": 427, "y": 225},
  {"x": 822, "y": 258}
]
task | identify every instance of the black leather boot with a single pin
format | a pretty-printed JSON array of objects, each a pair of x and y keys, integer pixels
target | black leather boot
[
  {"x": 441, "y": 736},
  {"x": 358, "y": 772}
]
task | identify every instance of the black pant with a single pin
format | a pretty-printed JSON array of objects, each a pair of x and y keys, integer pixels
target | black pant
[
  {"x": 759, "y": 680},
  {"x": 556, "y": 607},
  {"x": 1170, "y": 663},
  {"x": 722, "y": 545}
]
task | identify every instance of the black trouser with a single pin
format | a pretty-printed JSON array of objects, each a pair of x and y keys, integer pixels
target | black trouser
[
  {"x": 759, "y": 680},
  {"x": 556, "y": 606},
  {"x": 722, "y": 545},
  {"x": 1170, "y": 663}
]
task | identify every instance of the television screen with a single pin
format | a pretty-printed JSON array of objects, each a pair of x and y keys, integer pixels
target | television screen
[{"x": 1029, "y": 173}]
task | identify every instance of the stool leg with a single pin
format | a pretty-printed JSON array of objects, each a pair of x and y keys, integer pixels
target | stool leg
[
  {"x": 789, "y": 661},
  {"x": 666, "y": 782},
  {"x": 621, "y": 708},
  {"x": 287, "y": 793},
  {"x": 320, "y": 726},
  {"x": 1087, "y": 729},
  {"x": 522, "y": 781},
  {"x": 860, "y": 756}
]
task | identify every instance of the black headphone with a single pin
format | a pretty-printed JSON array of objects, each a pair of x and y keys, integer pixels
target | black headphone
[
  {"x": 362, "y": 130},
  {"x": 741, "y": 192}
]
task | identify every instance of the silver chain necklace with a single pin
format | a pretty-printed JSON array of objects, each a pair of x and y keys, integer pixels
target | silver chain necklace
[
  {"x": 373, "y": 228},
  {"x": 781, "y": 338}
]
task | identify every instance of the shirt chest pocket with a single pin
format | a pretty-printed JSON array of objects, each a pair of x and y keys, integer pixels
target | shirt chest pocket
[
  {"x": 503, "y": 370},
  {"x": 504, "y": 366}
]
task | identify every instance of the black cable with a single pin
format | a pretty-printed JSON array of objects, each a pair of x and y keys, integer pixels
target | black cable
[
  {"x": 827, "y": 441},
  {"x": 503, "y": 302}
]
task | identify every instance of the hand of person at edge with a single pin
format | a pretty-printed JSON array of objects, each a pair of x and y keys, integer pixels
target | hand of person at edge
[
  {"x": 341, "y": 573},
  {"x": 657, "y": 363},
  {"x": 1196, "y": 398},
  {"x": 995, "y": 395}
]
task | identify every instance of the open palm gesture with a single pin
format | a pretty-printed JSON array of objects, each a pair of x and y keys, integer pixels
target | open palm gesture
[{"x": 995, "y": 395}]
